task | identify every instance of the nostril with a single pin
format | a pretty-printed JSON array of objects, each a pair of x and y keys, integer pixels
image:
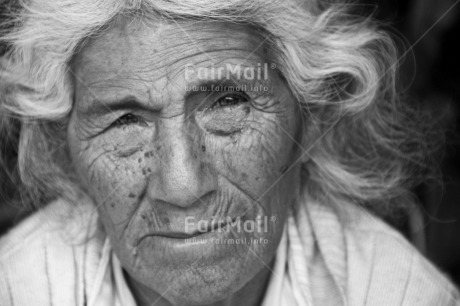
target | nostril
[
  {"x": 189, "y": 198},
  {"x": 183, "y": 187},
  {"x": 205, "y": 199}
]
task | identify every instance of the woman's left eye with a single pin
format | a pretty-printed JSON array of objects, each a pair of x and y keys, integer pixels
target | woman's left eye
[{"x": 230, "y": 100}]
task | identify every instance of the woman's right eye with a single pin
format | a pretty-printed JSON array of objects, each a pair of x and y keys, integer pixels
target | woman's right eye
[{"x": 126, "y": 120}]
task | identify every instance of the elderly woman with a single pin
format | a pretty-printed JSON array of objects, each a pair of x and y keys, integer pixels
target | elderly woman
[{"x": 202, "y": 152}]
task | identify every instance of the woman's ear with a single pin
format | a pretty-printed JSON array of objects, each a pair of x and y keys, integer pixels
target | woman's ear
[
  {"x": 314, "y": 129},
  {"x": 305, "y": 158},
  {"x": 305, "y": 150},
  {"x": 307, "y": 139}
]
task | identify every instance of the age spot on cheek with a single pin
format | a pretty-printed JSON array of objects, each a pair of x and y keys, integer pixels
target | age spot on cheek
[
  {"x": 132, "y": 195},
  {"x": 148, "y": 154}
]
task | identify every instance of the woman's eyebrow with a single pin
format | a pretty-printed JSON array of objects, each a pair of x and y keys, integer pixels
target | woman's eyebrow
[
  {"x": 211, "y": 85},
  {"x": 228, "y": 77},
  {"x": 98, "y": 107},
  {"x": 208, "y": 87}
]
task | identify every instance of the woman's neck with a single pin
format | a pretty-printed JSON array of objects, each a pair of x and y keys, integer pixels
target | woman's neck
[{"x": 251, "y": 294}]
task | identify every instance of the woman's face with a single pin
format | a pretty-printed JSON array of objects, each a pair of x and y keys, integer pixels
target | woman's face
[{"x": 164, "y": 146}]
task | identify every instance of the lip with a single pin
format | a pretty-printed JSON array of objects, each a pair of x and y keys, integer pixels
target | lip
[
  {"x": 185, "y": 247},
  {"x": 176, "y": 235},
  {"x": 212, "y": 227}
]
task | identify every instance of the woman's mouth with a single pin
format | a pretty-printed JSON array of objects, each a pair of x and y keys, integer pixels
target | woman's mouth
[
  {"x": 177, "y": 235},
  {"x": 211, "y": 226}
]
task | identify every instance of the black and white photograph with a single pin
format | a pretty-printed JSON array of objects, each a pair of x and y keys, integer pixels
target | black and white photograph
[{"x": 229, "y": 153}]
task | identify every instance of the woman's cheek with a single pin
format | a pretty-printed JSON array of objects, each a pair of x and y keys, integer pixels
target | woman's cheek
[
  {"x": 258, "y": 158},
  {"x": 116, "y": 181}
]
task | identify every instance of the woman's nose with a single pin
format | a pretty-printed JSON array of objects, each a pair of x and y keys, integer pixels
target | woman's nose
[{"x": 182, "y": 175}]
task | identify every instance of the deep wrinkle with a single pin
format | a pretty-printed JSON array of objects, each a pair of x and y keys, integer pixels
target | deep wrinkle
[{"x": 164, "y": 164}]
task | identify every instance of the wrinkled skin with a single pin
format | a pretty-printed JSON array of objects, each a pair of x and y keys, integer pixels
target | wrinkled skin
[{"x": 150, "y": 153}]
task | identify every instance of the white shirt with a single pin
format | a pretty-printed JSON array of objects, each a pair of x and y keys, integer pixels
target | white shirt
[{"x": 327, "y": 256}]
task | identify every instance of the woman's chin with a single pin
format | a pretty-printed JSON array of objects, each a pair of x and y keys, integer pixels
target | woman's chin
[
  {"x": 200, "y": 271},
  {"x": 202, "y": 296},
  {"x": 201, "y": 284}
]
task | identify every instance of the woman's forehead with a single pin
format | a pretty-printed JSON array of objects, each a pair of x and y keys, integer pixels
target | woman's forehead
[
  {"x": 161, "y": 46},
  {"x": 155, "y": 59}
]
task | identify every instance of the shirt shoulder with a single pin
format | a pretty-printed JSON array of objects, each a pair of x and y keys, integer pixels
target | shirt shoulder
[
  {"x": 43, "y": 259},
  {"x": 388, "y": 270}
]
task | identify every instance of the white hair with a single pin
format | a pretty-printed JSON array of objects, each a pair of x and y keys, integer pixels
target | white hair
[{"x": 340, "y": 67}]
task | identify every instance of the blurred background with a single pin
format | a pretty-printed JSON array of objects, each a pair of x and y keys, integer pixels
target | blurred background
[
  {"x": 430, "y": 75},
  {"x": 428, "y": 32}
]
